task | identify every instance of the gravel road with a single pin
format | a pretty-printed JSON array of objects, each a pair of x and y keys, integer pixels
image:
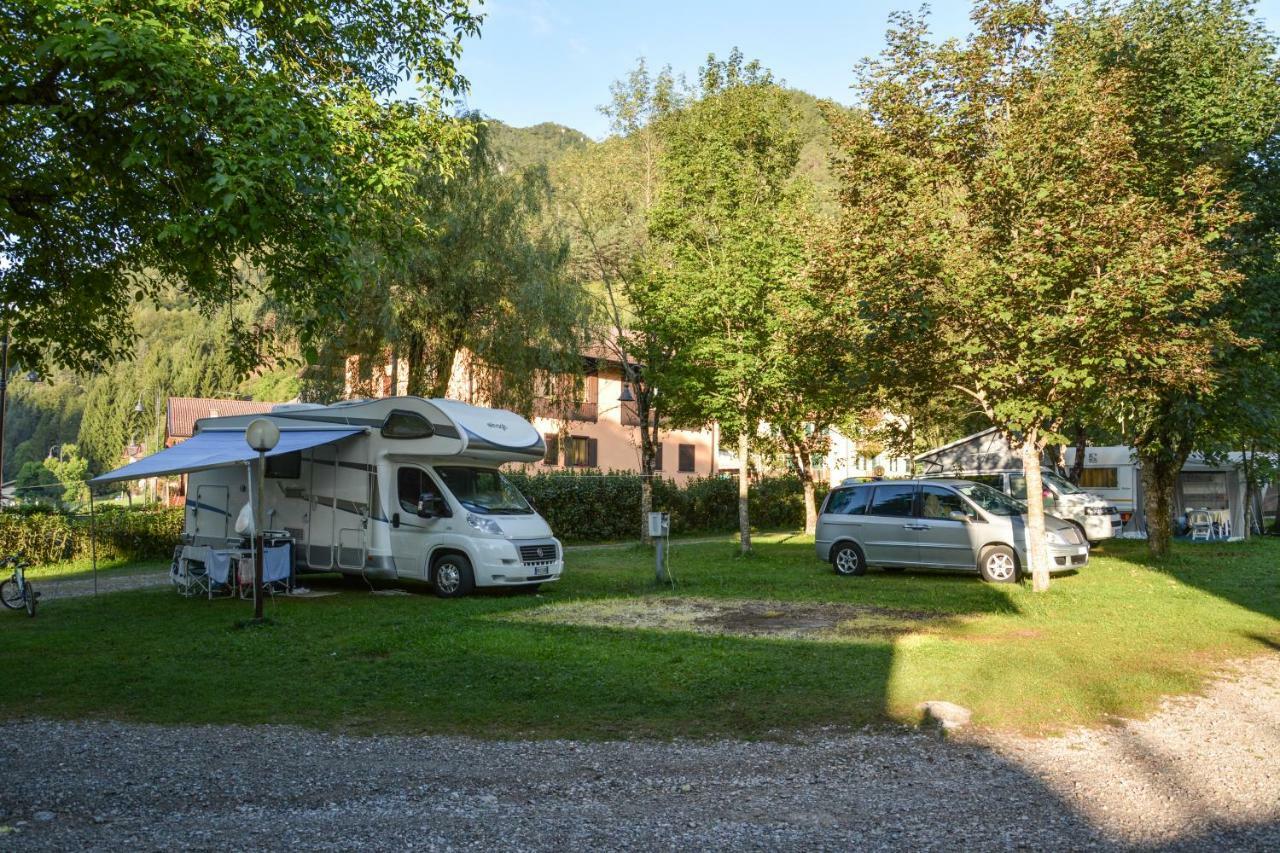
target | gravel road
[{"x": 1203, "y": 773}]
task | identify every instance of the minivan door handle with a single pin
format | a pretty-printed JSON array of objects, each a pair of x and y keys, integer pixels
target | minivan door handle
[{"x": 915, "y": 527}]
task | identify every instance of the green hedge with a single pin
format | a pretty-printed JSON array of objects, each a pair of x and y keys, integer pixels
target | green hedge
[
  {"x": 50, "y": 536},
  {"x": 591, "y": 505}
]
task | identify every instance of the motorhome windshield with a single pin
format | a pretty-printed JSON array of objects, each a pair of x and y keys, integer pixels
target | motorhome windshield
[
  {"x": 994, "y": 502},
  {"x": 1063, "y": 487},
  {"x": 484, "y": 490}
]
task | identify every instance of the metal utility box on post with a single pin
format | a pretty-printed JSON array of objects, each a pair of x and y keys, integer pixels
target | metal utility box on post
[{"x": 659, "y": 530}]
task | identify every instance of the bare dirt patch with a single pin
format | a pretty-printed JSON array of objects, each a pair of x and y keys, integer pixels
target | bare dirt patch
[{"x": 775, "y": 619}]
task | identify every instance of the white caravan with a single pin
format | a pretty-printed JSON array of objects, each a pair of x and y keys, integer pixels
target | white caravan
[{"x": 401, "y": 487}]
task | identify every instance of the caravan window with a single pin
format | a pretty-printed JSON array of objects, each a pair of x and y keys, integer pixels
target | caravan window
[
  {"x": 1100, "y": 478},
  {"x": 401, "y": 424}
]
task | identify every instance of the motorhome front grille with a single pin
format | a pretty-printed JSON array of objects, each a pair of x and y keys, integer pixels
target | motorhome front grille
[{"x": 542, "y": 552}]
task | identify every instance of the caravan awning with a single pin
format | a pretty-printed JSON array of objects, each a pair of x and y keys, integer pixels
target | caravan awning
[{"x": 215, "y": 448}]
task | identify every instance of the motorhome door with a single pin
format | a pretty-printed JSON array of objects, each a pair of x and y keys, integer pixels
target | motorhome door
[
  {"x": 321, "y": 529},
  {"x": 413, "y": 535}
]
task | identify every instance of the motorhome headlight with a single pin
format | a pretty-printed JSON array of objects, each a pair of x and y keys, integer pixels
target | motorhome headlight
[
  {"x": 484, "y": 525},
  {"x": 1097, "y": 510},
  {"x": 1053, "y": 537}
]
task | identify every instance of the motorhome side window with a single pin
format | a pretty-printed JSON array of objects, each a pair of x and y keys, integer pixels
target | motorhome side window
[
  {"x": 411, "y": 485},
  {"x": 406, "y": 425}
]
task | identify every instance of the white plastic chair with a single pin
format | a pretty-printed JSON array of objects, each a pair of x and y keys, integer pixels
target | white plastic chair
[
  {"x": 1201, "y": 523},
  {"x": 1224, "y": 524}
]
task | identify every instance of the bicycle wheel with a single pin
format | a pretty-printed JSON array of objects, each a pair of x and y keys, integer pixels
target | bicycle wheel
[
  {"x": 29, "y": 598},
  {"x": 10, "y": 595}
]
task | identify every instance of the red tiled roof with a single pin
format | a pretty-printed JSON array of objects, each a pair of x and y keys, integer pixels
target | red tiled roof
[{"x": 183, "y": 412}]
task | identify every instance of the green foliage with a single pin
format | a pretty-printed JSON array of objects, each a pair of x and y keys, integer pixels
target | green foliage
[
  {"x": 519, "y": 148},
  {"x": 486, "y": 275},
  {"x": 44, "y": 536},
  {"x": 170, "y": 142},
  {"x": 37, "y": 484}
]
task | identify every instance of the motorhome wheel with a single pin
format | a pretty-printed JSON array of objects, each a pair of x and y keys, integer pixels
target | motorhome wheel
[{"x": 452, "y": 577}]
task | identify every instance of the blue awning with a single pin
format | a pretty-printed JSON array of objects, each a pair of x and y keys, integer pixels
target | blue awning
[{"x": 215, "y": 448}]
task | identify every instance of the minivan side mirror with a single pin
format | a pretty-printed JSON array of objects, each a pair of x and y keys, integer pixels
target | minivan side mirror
[{"x": 960, "y": 515}]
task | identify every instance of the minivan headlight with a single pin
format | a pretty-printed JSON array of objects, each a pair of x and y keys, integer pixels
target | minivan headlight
[
  {"x": 1055, "y": 538},
  {"x": 485, "y": 525},
  {"x": 1097, "y": 510}
]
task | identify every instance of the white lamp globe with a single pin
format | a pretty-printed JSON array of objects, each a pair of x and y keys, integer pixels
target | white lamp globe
[{"x": 262, "y": 435}]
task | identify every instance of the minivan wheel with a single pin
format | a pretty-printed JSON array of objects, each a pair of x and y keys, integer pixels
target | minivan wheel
[
  {"x": 847, "y": 560},
  {"x": 452, "y": 577},
  {"x": 998, "y": 564}
]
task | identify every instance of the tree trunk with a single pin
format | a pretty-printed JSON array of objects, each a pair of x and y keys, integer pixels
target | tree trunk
[
  {"x": 415, "y": 356},
  {"x": 442, "y": 365},
  {"x": 744, "y": 520},
  {"x": 1077, "y": 464},
  {"x": 1037, "y": 550},
  {"x": 648, "y": 454},
  {"x": 810, "y": 505},
  {"x": 806, "y": 483},
  {"x": 1159, "y": 476},
  {"x": 1250, "y": 489}
]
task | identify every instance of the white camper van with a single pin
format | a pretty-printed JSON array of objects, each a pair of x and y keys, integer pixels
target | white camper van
[{"x": 401, "y": 487}]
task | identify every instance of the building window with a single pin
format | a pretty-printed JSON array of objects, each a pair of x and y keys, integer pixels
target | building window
[
  {"x": 580, "y": 452},
  {"x": 685, "y": 462},
  {"x": 587, "y": 408},
  {"x": 657, "y": 456},
  {"x": 552, "y": 456},
  {"x": 1100, "y": 478}
]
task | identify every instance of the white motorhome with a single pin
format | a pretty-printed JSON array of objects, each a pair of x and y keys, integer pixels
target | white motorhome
[{"x": 401, "y": 487}]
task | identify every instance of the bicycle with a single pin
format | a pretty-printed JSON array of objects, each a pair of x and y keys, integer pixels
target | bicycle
[{"x": 16, "y": 593}]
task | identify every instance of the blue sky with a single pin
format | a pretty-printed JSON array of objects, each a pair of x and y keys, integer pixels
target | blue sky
[{"x": 553, "y": 60}]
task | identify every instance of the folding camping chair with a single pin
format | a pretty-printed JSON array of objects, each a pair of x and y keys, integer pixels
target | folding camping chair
[{"x": 1201, "y": 524}]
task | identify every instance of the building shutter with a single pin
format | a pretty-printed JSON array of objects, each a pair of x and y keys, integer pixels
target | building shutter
[
  {"x": 591, "y": 453},
  {"x": 657, "y": 457},
  {"x": 552, "y": 457}
]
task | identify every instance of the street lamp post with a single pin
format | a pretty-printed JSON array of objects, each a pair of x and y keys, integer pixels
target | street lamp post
[{"x": 262, "y": 435}]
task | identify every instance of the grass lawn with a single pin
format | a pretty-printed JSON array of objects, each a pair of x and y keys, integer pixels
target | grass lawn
[
  {"x": 1107, "y": 641},
  {"x": 82, "y": 569}
]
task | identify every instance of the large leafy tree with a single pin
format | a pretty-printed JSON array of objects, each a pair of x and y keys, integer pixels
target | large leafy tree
[
  {"x": 1001, "y": 237},
  {"x": 176, "y": 142},
  {"x": 1202, "y": 86},
  {"x": 604, "y": 195},
  {"x": 724, "y": 241},
  {"x": 485, "y": 275}
]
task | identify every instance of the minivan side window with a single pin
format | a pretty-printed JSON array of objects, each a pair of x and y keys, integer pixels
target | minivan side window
[
  {"x": 847, "y": 502},
  {"x": 894, "y": 501},
  {"x": 938, "y": 503}
]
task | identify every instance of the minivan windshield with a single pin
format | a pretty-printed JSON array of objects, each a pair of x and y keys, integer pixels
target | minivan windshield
[
  {"x": 987, "y": 498},
  {"x": 484, "y": 490},
  {"x": 1062, "y": 486}
]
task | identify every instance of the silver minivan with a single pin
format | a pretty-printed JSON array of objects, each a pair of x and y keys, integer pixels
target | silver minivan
[{"x": 937, "y": 524}]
